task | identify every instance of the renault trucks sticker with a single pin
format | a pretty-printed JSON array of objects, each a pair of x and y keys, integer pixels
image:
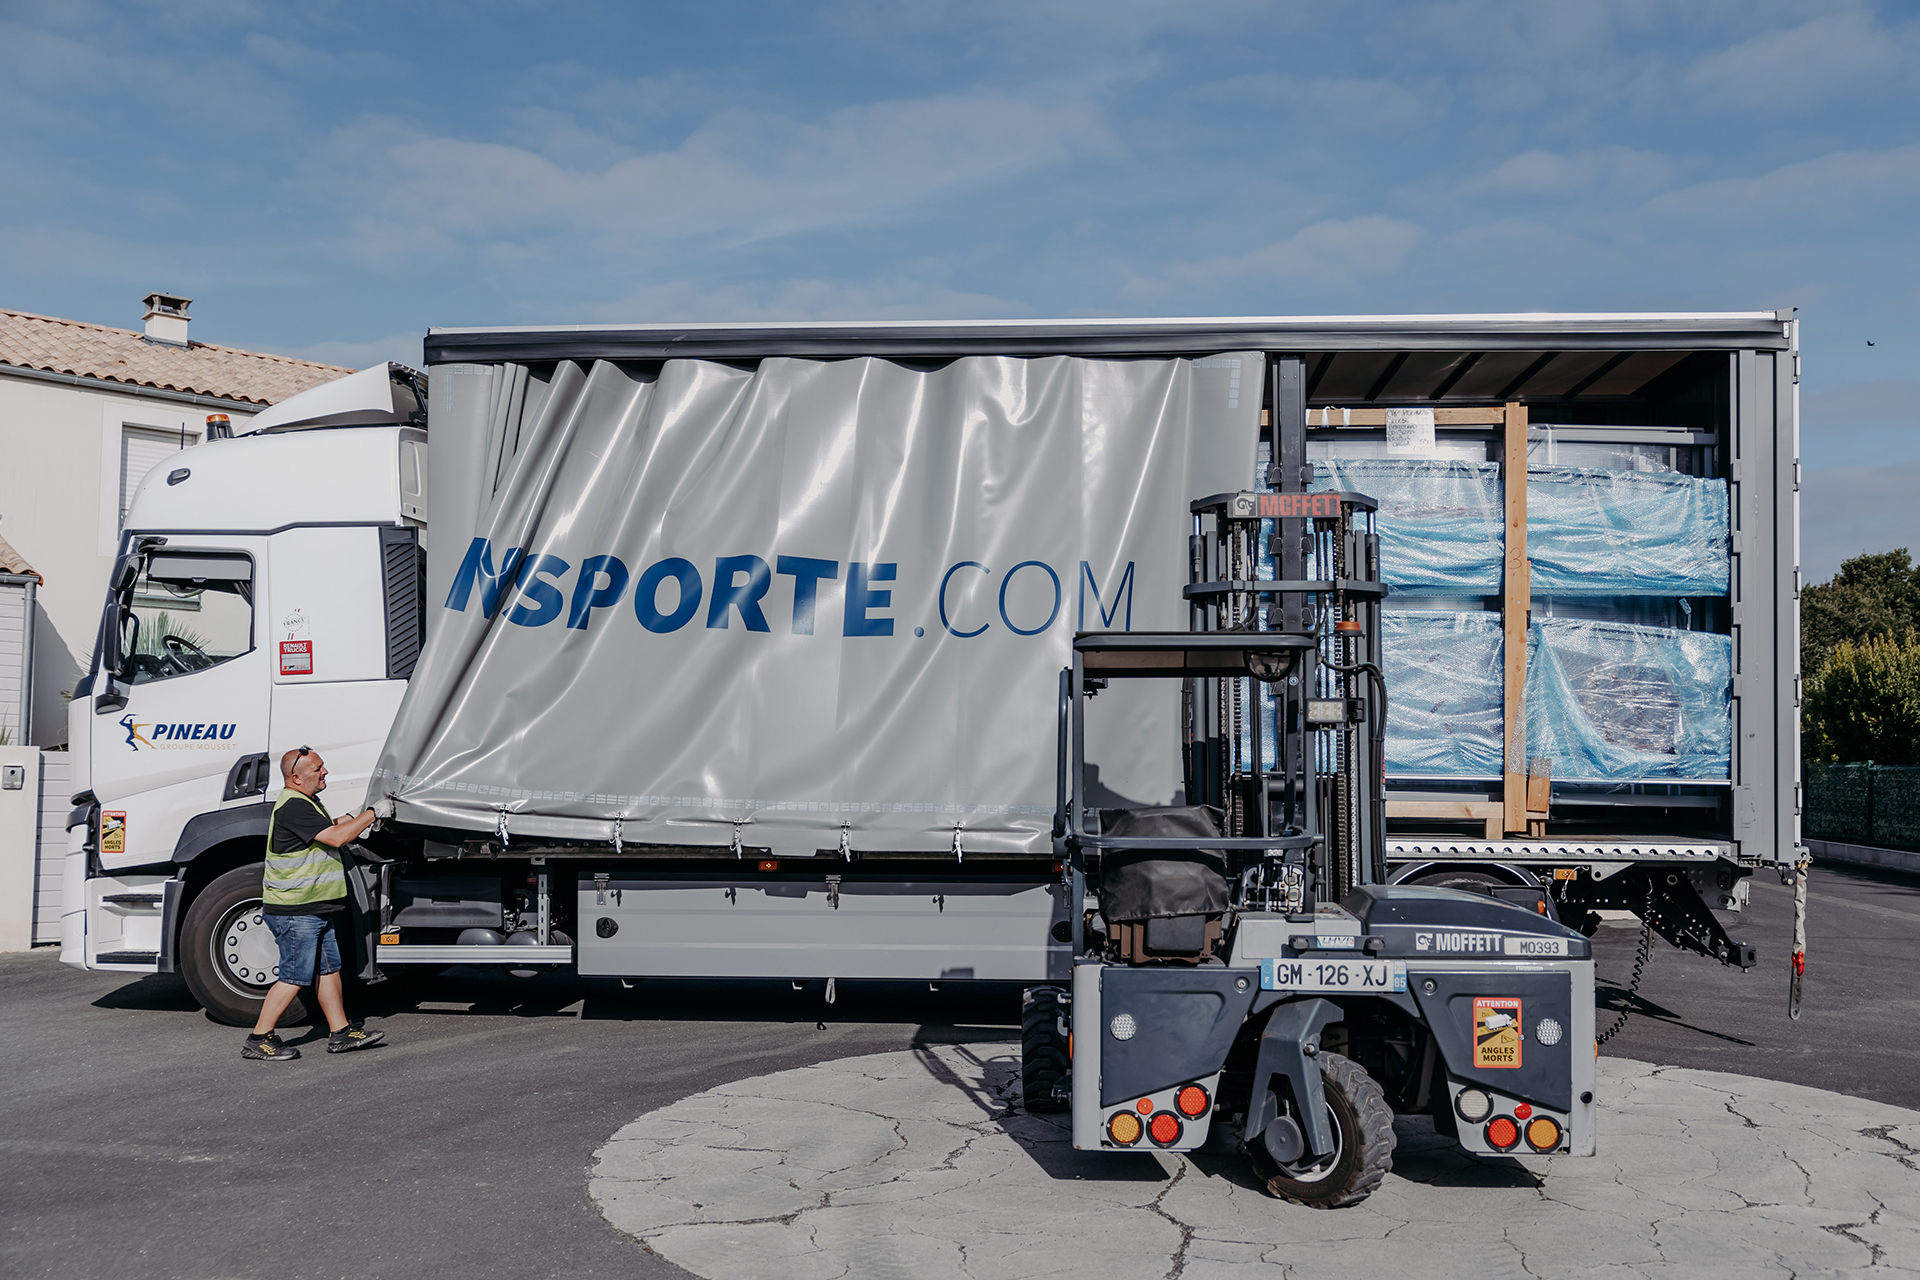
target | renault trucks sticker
[
  {"x": 113, "y": 832},
  {"x": 1496, "y": 1031},
  {"x": 176, "y": 736},
  {"x": 296, "y": 657}
]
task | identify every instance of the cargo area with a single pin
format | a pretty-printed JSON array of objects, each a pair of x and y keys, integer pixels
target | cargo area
[{"x": 1586, "y": 676}]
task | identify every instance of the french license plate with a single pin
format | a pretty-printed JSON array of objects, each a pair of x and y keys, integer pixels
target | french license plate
[{"x": 1360, "y": 976}]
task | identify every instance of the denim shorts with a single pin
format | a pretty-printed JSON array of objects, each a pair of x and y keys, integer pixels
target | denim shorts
[{"x": 303, "y": 940}]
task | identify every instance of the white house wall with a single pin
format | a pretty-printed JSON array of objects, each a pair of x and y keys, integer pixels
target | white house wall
[{"x": 59, "y": 507}]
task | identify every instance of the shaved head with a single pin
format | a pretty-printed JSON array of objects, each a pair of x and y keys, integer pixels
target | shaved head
[{"x": 304, "y": 770}]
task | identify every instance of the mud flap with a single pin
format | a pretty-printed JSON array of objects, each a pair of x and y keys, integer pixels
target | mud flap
[{"x": 1283, "y": 1052}]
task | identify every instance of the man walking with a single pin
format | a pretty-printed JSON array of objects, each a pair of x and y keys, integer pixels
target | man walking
[{"x": 304, "y": 894}]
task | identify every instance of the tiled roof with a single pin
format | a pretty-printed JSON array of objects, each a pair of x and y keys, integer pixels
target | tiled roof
[
  {"x": 12, "y": 561},
  {"x": 123, "y": 355}
]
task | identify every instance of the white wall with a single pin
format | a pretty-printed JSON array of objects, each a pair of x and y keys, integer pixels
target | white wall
[
  {"x": 59, "y": 508},
  {"x": 19, "y": 847}
]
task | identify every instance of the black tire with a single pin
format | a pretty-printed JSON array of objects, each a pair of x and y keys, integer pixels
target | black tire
[
  {"x": 1460, "y": 878},
  {"x": 220, "y": 954},
  {"x": 1043, "y": 1047},
  {"x": 1363, "y": 1142}
]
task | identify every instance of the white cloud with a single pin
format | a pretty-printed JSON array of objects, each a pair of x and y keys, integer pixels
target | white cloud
[
  {"x": 1326, "y": 255},
  {"x": 1845, "y": 183},
  {"x": 742, "y": 176},
  {"x": 1847, "y": 52},
  {"x": 1610, "y": 171}
]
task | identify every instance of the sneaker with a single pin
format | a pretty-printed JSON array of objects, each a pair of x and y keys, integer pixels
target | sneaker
[
  {"x": 268, "y": 1048},
  {"x": 353, "y": 1036}
]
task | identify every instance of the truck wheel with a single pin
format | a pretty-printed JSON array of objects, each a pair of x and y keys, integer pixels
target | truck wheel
[
  {"x": 1470, "y": 881},
  {"x": 226, "y": 954},
  {"x": 1363, "y": 1142},
  {"x": 1043, "y": 1047}
]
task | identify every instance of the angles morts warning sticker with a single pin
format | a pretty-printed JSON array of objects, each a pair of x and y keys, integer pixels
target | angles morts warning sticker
[
  {"x": 1496, "y": 1032},
  {"x": 113, "y": 832}
]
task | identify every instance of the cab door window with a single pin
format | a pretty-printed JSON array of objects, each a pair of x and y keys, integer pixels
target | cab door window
[{"x": 186, "y": 612}]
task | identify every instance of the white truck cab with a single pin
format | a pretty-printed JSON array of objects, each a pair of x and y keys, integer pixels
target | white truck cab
[{"x": 267, "y": 595}]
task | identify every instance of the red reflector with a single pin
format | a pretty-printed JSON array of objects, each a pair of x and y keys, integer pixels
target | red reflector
[
  {"x": 1143, "y": 1106},
  {"x": 1503, "y": 1134},
  {"x": 1192, "y": 1101},
  {"x": 1522, "y": 1111},
  {"x": 1164, "y": 1128}
]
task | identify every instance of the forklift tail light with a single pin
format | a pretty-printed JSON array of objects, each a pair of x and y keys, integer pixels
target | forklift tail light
[
  {"x": 1164, "y": 1128},
  {"x": 1503, "y": 1134},
  {"x": 1124, "y": 1128},
  {"x": 1192, "y": 1101}
]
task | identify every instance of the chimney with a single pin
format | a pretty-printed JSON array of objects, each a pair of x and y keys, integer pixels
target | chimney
[{"x": 167, "y": 318}]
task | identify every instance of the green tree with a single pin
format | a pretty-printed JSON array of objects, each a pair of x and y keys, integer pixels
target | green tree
[
  {"x": 1865, "y": 703},
  {"x": 1872, "y": 595}
]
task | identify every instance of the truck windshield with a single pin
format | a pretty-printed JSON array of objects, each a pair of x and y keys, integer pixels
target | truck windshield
[{"x": 186, "y": 613}]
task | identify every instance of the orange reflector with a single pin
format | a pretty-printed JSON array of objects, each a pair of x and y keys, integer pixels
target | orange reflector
[
  {"x": 769, "y": 864},
  {"x": 389, "y": 939},
  {"x": 1124, "y": 1128},
  {"x": 1503, "y": 1134},
  {"x": 1543, "y": 1134},
  {"x": 1143, "y": 1106},
  {"x": 1192, "y": 1101},
  {"x": 1165, "y": 1129}
]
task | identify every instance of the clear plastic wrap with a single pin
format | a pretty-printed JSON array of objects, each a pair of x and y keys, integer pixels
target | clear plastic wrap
[
  {"x": 1608, "y": 702},
  {"x": 1442, "y": 521},
  {"x": 1590, "y": 530},
  {"x": 1444, "y": 683},
  {"x": 1597, "y": 531}
]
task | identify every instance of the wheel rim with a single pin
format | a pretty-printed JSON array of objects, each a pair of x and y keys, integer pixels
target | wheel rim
[
  {"x": 244, "y": 953},
  {"x": 1322, "y": 1168}
]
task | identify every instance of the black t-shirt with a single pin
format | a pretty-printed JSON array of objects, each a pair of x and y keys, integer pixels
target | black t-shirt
[{"x": 294, "y": 827}]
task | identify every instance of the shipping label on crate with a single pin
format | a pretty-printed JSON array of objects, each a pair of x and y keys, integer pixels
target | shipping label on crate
[
  {"x": 1409, "y": 433},
  {"x": 1496, "y": 1032},
  {"x": 296, "y": 657}
]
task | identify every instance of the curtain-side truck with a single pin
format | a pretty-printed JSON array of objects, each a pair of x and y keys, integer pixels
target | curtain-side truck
[{"x": 825, "y": 700}]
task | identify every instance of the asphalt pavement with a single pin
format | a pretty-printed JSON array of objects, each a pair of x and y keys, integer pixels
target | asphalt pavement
[
  {"x": 1859, "y": 1027},
  {"x": 138, "y": 1142}
]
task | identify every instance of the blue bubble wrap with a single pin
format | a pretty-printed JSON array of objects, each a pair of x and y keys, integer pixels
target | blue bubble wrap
[
  {"x": 1442, "y": 521},
  {"x": 1591, "y": 531},
  {"x": 1609, "y": 702},
  {"x": 1595, "y": 531},
  {"x": 1606, "y": 702},
  {"x": 1443, "y": 690}
]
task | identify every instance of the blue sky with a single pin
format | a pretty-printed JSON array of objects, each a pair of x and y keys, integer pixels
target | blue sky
[{"x": 329, "y": 180}]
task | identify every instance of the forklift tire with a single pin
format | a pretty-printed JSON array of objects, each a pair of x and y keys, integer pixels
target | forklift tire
[
  {"x": 1044, "y": 1058},
  {"x": 225, "y": 978},
  {"x": 1363, "y": 1142}
]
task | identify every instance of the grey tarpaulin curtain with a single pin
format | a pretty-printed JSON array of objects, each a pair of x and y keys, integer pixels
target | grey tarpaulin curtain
[{"x": 801, "y": 595}]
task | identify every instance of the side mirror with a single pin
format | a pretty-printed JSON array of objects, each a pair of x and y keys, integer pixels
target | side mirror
[
  {"x": 114, "y": 699},
  {"x": 125, "y": 572}
]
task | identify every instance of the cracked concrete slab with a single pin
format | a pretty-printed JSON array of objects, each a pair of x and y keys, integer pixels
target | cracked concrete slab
[{"x": 922, "y": 1164}]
